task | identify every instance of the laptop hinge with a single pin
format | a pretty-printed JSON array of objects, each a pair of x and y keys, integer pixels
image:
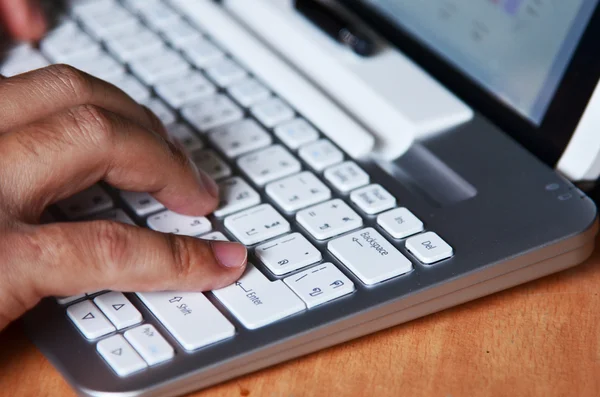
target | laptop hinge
[
  {"x": 390, "y": 95},
  {"x": 581, "y": 159}
]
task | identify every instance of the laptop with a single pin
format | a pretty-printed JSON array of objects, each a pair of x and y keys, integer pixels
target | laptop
[{"x": 370, "y": 189}]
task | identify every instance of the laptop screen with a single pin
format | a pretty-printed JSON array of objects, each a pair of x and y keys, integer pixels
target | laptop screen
[{"x": 516, "y": 49}]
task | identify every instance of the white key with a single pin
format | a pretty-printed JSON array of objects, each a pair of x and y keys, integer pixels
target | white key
[
  {"x": 346, "y": 176},
  {"x": 369, "y": 256},
  {"x": 82, "y": 8},
  {"x": 236, "y": 195},
  {"x": 150, "y": 344},
  {"x": 119, "y": 310},
  {"x": 100, "y": 65},
  {"x": 429, "y": 247},
  {"x": 272, "y": 111},
  {"x": 298, "y": 191},
  {"x": 214, "y": 236},
  {"x": 225, "y": 72},
  {"x": 248, "y": 91},
  {"x": 161, "y": 110},
  {"x": 109, "y": 22},
  {"x": 295, "y": 133},
  {"x": 400, "y": 223},
  {"x": 120, "y": 355},
  {"x": 329, "y": 219},
  {"x": 288, "y": 253},
  {"x": 136, "y": 44},
  {"x": 321, "y": 154},
  {"x": 131, "y": 86},
  {"x": 179, "y": 34},
  {"x": 23, "y": 58},
  {"x": 141, "y": 203},
  {"x": 255, "y": 301},
  {"x": 189, "y": 316},
  {"x": 116, "y": 215},
  {"x": 157, "y": 15},
  {"x": 120, "y": 30},
  {"x": 172, "y": 222},
  {"x": 239, "y": 137},
  {"x": 184, "y": 89},
  {"x": 68, "y": 299},
  {"x": 257, "y": 224},
  {"x": 89, "y": 319},
  {"x": 202, "y": 52},
  {"x": 135, "y": 5},
  {"x": 185, "y": 136},
  {"x": 211, "y": 112},
  {"x": 162, "y": 65},
  {"x": 320, "y": 284},
  {"x": 209, "y": 162},
  {"x": 66, "y": 42},
  {"x": 85, "y": 203},
  {"x": 373, "y": 199},
  {"x": 268, "y": 164}
]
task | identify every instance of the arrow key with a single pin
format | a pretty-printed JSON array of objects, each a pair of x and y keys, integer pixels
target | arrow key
[
  {"x": 120, "y": 355},
  {"x": 119, "y": 310},
  {"x": 89, "y": 319}
]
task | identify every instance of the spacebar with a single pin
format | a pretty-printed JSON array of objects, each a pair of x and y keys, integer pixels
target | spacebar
[{"x": 189, "y": 316}]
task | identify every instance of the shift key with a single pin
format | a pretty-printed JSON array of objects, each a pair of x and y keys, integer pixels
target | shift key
[
  {"x": 189, "y": 316},
  {"x": 256, "y": 301}
]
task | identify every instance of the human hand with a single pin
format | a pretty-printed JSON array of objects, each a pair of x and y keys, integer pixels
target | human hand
[
  {"x": 22, "y": 19},
  {"x": 61, "y": 131}
]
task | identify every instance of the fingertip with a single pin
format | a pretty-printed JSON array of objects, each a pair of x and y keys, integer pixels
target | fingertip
[
  {"x": 230, "y": 255},
  {"x": 207, "y": 198},
  {"x": 198, "y": 203},
  {"x": 209, "y": 185}
]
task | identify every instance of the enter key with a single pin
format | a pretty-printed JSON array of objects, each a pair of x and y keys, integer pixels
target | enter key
[{"x": 256, "y": 301}]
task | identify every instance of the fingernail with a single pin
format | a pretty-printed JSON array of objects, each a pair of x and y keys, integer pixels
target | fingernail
[
  {"x": 209, "y": 184},
  {"x": 230, "y": 255}
]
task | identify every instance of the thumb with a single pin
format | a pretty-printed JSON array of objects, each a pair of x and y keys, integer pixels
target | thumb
[{"x": 89, "y": 256}]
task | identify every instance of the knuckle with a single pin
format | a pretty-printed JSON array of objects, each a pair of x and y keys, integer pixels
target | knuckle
[
  {"x": 155, "y": 122},
  {"x": 184, "y": 255},
  {"x": 23, "y": 248},
  {"x": 94, "y": 124},
  {"x": 179, "y": 156},
  {"x": 43, "y": 138},
  {"x": 52, "y": 243},
  {"x": 71, "y": 80},
  {"x": 112, "y": 240}
]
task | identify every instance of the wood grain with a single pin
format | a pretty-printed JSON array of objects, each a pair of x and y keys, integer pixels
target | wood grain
[{"x": 539, "y": 339}]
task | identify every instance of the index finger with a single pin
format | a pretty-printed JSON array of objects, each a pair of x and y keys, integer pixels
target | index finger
[{"x": 72, "y": 150}]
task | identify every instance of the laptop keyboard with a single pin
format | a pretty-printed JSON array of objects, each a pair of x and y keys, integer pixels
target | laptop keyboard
[{"x": 285, "y": 188}]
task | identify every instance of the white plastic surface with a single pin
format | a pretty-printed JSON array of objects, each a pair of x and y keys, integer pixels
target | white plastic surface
[{"x": 388, "y": 93}]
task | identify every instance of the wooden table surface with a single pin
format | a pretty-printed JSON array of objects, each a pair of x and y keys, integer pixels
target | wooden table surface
[{"x": 539, "y": 339}]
